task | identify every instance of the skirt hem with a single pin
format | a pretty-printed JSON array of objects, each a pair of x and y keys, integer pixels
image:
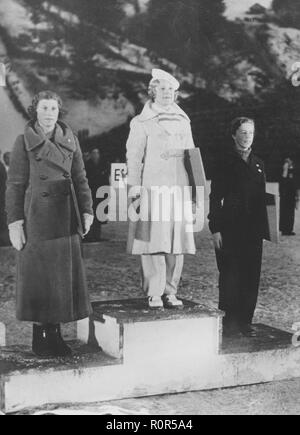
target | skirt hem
[{"x": 55, "y": 320}]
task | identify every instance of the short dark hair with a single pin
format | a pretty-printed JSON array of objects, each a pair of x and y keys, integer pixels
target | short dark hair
[
  {"x": 44, "y": 95},
  {"x": 238, "y": 122}
]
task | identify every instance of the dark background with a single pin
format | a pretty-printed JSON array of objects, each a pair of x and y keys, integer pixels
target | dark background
[{"x": 227, "y": 68}]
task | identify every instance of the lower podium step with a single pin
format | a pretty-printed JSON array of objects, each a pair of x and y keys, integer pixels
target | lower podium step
[{"x": 145, "y": 353}]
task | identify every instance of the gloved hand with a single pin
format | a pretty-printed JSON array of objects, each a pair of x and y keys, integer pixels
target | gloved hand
[
  {"x": 88, "y": 220},
  {"x": 297, "y": 201},
  {"x": 17, "y": 235}
]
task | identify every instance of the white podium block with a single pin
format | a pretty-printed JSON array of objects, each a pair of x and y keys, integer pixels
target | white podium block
[
  {"x": 2, "y": 334},
  {"x": 128, "y": 330}
]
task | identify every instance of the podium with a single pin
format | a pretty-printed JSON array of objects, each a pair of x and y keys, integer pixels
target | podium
[{"x": 145, "y": 353}]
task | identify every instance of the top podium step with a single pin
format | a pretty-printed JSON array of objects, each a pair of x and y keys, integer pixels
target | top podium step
[{"x": 137, "y": 310}]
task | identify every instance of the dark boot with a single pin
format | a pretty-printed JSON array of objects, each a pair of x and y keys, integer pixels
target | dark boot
[
  {"x": 59, "y": 347},
  {"x": 41, "y": 345},
  {"x": 248, "y": 331}
]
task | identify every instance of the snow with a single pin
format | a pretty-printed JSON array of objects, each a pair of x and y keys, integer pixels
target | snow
[
  {"x": 14, "y": 17},
  {"x": 284, "y": 44},
  {"x": 129, "y": 10},
  {"x": 143, "y": 4},
  {"x": 237, "y": 8},
  {"x": 98, "y": 117},
  {"x": 11, "y": 122},
  {"x": 121, "y": 55},
  {"x": 103, "y": 62},
  {"x": 69, "y": 17}
]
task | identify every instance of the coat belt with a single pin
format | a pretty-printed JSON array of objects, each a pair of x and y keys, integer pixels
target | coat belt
[{"x": 172, "y": 154}]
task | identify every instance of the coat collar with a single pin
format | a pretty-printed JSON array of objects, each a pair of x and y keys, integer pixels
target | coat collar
[
  {"x": 149, "y": 113},
  {"x": 254, "y": 166},
  {"x": 35, "y": 137}
]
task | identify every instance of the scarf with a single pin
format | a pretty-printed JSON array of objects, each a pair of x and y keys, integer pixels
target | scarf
[
  {"x": 244, "y": 154},
  {"x": 168, "y": 118}
]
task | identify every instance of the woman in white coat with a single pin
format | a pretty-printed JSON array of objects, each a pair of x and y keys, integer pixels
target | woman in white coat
[{"x": 156, "y": 148}]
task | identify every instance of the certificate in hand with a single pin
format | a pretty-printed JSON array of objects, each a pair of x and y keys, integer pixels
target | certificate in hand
[{"x": 273, "y": 217}]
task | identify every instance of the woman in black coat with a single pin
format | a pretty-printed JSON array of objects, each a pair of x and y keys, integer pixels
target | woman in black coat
[
  {"x": 49, "y": 206},
  {"x": 289, "y": 198},
  {"x": 238, "y": 222}
]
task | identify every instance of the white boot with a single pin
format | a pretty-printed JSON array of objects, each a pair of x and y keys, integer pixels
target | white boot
[
  {"x": 155, "y": 302},
  {"x": 171, "y": 301}
]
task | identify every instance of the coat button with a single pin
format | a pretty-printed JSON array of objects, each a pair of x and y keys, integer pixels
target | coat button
[
  {"x": 37, "y": 158},
  {"x": 43, "y": 177},
  {"x": 45, "y": 194},
  {"x": 66, "y": 175}
]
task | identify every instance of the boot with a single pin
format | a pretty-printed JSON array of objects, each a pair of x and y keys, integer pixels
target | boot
[
  {"x": 171, "y": 301},
  {"x": 155, "y": 303},
  {"x": 59, "y": 347},
  {"x": 41, "y": 345}
]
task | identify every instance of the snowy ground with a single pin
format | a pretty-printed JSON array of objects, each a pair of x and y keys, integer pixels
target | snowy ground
[
  {"x": 278, "y": 398},
  {"x": 279, "y": 300},
  {"x": 279, "y": 306}
]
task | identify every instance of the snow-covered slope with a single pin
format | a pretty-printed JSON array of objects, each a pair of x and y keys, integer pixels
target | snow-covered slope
[
  {"x": 107, "y": 80},
  {"x": 284, "y": 45}
]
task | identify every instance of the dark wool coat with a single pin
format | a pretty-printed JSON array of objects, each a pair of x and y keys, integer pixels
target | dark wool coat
[
  {"x": 238, "y": 211},
  {"x": 288, "y": 192},
  {"x": 238, "y": 198},
  {"x": 48, "y": 189}
]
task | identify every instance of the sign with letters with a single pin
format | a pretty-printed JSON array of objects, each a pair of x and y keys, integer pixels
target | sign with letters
[{"x": 119, "y": 175}]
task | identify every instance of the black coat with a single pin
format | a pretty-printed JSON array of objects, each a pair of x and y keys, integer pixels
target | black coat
[{"x": 238, "y": 200}]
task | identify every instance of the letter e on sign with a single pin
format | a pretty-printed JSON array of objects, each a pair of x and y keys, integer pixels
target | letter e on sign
[{"x": 118, "y": 175}]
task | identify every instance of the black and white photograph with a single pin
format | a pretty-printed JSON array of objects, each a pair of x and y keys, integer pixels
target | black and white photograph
[{"x": 149, "y": 210}]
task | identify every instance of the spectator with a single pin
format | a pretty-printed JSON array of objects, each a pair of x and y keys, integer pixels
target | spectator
[
  {"x": 97, "y": 176},
  {"x": 289, "y": 198},
  {"x": 86, "y": 155}
]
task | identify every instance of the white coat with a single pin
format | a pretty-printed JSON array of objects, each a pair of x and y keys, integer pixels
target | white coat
[{"x": 155, "y": 157}]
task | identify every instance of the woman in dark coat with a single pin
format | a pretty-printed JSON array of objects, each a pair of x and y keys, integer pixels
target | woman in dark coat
[
  {"x": 289, "y": 198},
  {"x": 49, "y": 206},
  {"x": 238, "y": 222}
]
